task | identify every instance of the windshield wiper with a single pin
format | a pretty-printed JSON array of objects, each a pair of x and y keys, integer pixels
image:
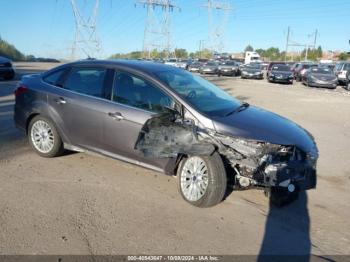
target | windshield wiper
[{"x": 242, "y": 107}]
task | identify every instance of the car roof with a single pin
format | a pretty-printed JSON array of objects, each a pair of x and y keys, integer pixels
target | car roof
[
  {"x": 4, "y": 59},
  {"x": 142, "y": 66}
]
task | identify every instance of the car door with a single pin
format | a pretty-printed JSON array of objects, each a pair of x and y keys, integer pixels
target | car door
[
  {"x": 134, "y": 100},
  {"x": 78, "y": 105}
]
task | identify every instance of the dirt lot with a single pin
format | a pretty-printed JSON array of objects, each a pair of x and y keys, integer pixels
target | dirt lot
[{"x": 88, "y": 204}]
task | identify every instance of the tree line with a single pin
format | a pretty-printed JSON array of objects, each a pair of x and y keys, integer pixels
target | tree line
[
  {"x": 10, "y": 51},
  {"x": 156, "y": 54},
  {"x": 311, "y": 54},
  {"x": 270, "y": 54}
]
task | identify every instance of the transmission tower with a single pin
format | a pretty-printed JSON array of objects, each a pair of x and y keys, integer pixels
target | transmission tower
[
  {"x": 86, "y": 42},
  {"x": 217, "y": 26},
  {"x": 306, "y": 46},
  {"x": 157, "y": 29}
]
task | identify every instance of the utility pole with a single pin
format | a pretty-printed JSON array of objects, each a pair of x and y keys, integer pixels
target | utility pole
[
  {"x": 316, "y": 33},
  {"x": 306, "y": 51},
  {"x": 306, "y": 46},
  {"x": 201, "y": 47},
  {"x": 285, "y": 55},
  {"x": 86, "y": 42},
  {"x": 216, "y": 30},
  {"x": 157, "y": 29}
]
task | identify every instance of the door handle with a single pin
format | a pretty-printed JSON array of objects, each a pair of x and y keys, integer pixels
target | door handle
[
  {"x": 116, "y": 116},
  {"x": 60, "y": 101}
]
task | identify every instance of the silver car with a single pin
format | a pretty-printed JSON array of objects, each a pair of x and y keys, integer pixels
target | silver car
[{"x": 169, "y": 120}]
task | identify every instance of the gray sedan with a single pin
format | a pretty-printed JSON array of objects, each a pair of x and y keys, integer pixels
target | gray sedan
[{"x": 168, "y": 120}]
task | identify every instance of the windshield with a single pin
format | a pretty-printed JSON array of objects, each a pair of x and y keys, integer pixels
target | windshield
[
  {"x": 281, "y": 68},
  {"x": 253, "y": 66},
  {"x": 201, "y": 94},
  {"x": 211, "y": 64},
  {"x": 320, "y": 70},
  {"x": 229, "y": 63}
]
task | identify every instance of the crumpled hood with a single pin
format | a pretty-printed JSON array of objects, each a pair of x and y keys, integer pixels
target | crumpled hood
[{"x": 257, "y": 124}]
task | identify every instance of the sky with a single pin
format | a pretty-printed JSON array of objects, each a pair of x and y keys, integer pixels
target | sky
[{"x": 46, "y": 28}]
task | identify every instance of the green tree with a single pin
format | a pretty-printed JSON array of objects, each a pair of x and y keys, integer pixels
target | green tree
[
  {"x": 248, "y": 48},
  {"x": 181, "y": 53},
  {"x": 10, "y": 51},
  {"x": 344, "y": 56},
  {"x": 261, "y": 52}
]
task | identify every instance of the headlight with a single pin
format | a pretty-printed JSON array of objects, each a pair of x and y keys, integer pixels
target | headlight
[
  {"x": 219, "y": 67},
  {"x": 272, "y": 75},
  {"x": 244, "y": 72}
]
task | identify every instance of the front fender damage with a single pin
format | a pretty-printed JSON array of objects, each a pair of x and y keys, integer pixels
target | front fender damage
[
  {"x": 165, "y": 136},
  {"x": 254, "y": 163}
]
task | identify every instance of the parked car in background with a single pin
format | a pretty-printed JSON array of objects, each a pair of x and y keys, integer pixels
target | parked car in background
[
  {"x": 264, "y": 65},
  {"x": 281, "y": 74},
  {"x": 301, "y": 70},
  {"x": 340, "y": 70},
  {"x": 293, "y": 67},
  {"x": 7, "y": 70},
  {"x": 320, "y": 77},
  {"x": 195, "y": 67},
  {"x": 252, "y": 71},
  {"x": 171, "y": 62},
  {"x": 183, "y": 63},
  {"x": 228, "y": 68},
  {"x": 347, "y": 81},
  {"x": 169, "y": 120},
  {"x": 210, "y": 67},
  {"x": 269, "y": 67},
  {"x": 325, "y": 65}
]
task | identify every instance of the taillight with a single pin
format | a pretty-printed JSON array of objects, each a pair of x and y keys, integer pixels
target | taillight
[{"x": 20, "y": 90}]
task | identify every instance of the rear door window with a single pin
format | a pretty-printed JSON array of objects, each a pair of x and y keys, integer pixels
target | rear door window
[
  {"x": 137, "y": 92},
  {"x": 88, "y": 81}
]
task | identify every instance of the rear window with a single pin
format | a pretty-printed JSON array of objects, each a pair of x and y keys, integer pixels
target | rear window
[{"x": 54, "y": 77}]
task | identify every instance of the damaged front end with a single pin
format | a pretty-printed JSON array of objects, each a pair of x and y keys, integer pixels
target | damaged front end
[
  {"x": 264, "y": 164},
  {"x": 254, "y": 163}
]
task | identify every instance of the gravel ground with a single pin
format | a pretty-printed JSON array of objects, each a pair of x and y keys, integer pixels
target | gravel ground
[{"x": 88, "y": 204}]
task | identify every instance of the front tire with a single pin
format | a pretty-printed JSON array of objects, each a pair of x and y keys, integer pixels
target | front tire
[
  {"x": 202, "y": 180},
  {"x": 44, "y": 138}
]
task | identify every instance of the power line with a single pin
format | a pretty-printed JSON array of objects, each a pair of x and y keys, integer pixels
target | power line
[
  {"x": 86, "y": 42},
  {"x": 157, "y": 29},
  {"x": 216, "y": 29},
  {"x": 307, "y": 45}
]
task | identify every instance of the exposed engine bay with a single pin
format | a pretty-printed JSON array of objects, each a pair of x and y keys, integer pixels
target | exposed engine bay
[{"x": 255, "y": 163}]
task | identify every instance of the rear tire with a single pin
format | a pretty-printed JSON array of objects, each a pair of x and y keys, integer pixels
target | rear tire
[
  {"x": 214, "y": 176},
  {"x": 44, "y": 138},
  {"x": 347, "y": 87}
]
